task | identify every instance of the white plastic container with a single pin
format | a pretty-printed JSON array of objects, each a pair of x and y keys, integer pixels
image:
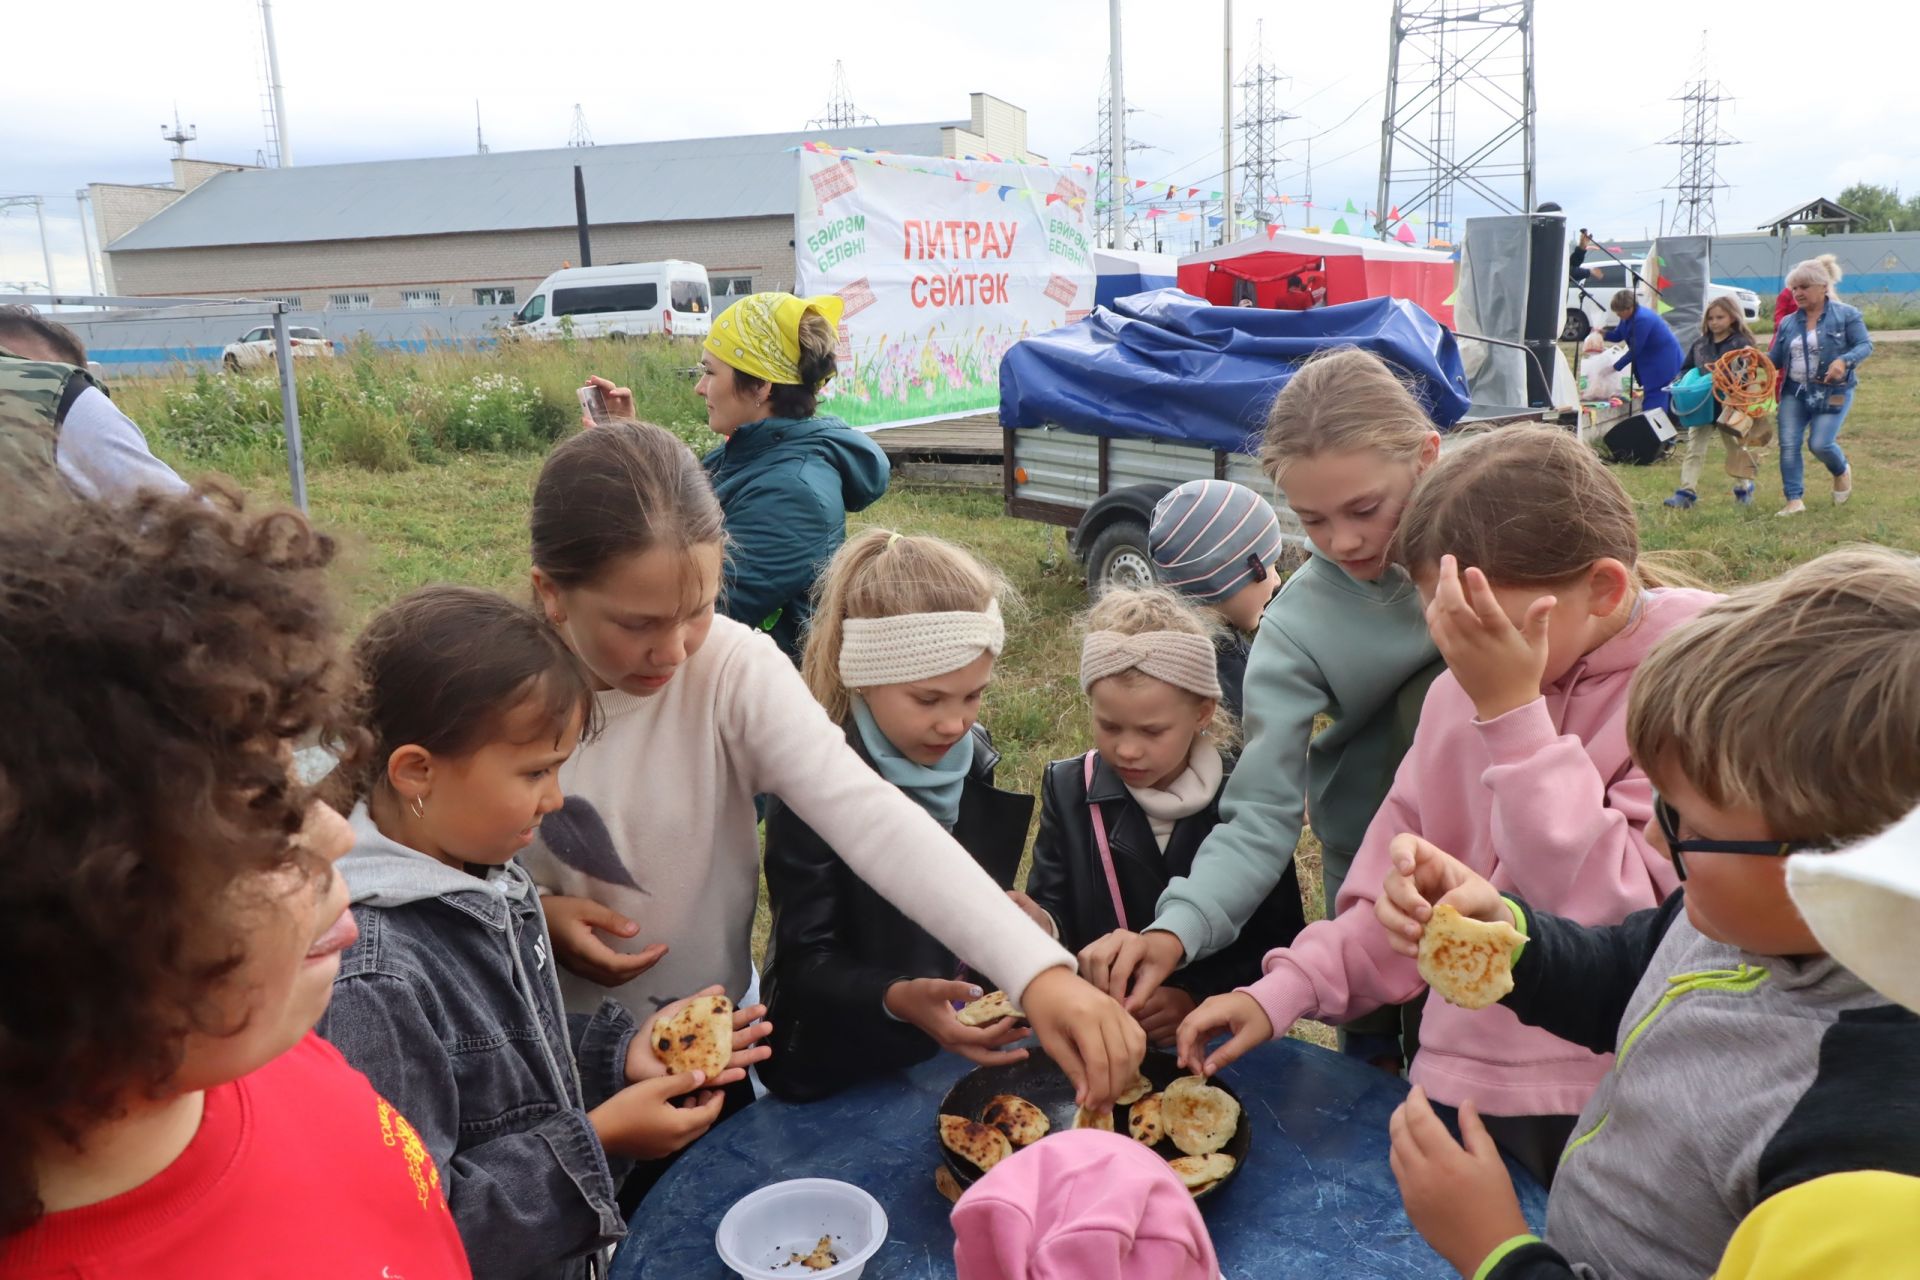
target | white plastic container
[{"x": 762, "y": 1232}]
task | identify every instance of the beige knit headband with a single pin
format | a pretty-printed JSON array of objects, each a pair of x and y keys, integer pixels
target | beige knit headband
[
  {"x": 1181, "y": 658},
  {"x": 916, "y": 646}
]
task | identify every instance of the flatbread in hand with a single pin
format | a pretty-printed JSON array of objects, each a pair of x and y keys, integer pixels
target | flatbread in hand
[
  {"x": 1020, "y": 1120},
  {"x": 1139, "y": 1089},
  {"x": 988, "y": 1009},
  {"x": 1199, "y": 1117},
  {"x": 698, "y": 1038},
  {"x": 1197, "y": 1173},
  {"x": 981, "y": 1145},
  {"x": 1469, "y": 962},
  {"x": 1143, "y": 1120}
]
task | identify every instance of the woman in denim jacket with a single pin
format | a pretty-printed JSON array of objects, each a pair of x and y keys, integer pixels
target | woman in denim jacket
[{"x": 1817, "y": 348}]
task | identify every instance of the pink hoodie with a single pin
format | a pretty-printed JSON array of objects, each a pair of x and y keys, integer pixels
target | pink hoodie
[{"x": 1543, "y": 801}]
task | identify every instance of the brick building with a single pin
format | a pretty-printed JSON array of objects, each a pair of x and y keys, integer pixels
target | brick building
[{"x": 483, "y": 229}]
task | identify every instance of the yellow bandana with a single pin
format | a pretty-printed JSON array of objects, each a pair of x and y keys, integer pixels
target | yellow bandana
[{"x": 760, "y": 334}]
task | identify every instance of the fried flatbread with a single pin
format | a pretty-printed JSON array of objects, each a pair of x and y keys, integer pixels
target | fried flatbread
[
  {"x": 1469, "y": 962},
  {"x": 1139, "y": 1089},
  {"x": 947, "y": 1185},
  {"x": 1143, "y": 1120},
  {"x": 1198, "y": 1172},
  {"x": 1085, "y": 1119},
  {"x": 981, "y": 1145},
  {"x": 1020, "y": 1120},
  {"x": 988, "y": 1009},
  {"x": 1199, "y": 1117},
  {"x": 698, "y": 1038}
]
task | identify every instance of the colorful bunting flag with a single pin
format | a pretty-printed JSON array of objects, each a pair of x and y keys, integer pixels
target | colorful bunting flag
[
  {"x": 1340, "y": 225},
  {"x": 983, "y": 187},
  {"x": 1448, "y": 301},
  {"x": 1393, "y": 214},
  {"x": 1404, "y": 235},
  {"x": 1350, "y": 208},
  {"x": 1661, "y": 306}
]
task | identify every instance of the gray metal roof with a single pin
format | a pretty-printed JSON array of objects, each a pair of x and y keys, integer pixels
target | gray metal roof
[{"x": 739, "y": 177}]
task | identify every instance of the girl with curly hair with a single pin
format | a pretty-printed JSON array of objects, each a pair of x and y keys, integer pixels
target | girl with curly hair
[{"x": 171, "y": 917}]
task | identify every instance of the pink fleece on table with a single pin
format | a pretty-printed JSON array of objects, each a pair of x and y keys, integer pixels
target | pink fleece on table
[{"x": 1547, "y": 804}]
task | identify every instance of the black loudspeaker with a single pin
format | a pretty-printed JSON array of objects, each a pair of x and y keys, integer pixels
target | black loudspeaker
[
  {"x": 1642, "y": 439},
  {"x": 1546, "y": 303}
]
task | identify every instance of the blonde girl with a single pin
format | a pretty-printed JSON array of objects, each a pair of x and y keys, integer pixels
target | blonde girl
[
  {"x": 1121, "y": 821},
  {"x": 902, "y": 647},
  {"x": 1526, "y": 550},
  {"x": 651, "y": 868},
  {"x": 1345, "y": 637},
  {"x": 1722, "y": 329}
]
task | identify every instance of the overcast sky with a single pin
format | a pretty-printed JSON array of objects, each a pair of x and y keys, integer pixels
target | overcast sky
[{"x": 1817, "y": 92}]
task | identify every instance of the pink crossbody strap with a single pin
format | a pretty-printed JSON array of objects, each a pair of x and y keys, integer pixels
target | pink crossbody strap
[{"x": 1106, "y": 852}]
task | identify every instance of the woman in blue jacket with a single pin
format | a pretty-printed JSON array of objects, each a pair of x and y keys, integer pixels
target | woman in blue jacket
[
  {"x": 1818, "y": 348},
  {"x": 1652, "y": 349}
]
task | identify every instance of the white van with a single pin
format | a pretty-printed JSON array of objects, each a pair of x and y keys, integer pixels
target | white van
[{"x": 623, "y": 301}]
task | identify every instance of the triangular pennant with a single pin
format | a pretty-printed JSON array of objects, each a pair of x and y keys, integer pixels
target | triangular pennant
[
  {"x": 1003, "y": 192},
  {"x": 1340, "y": 227},
  {"x": 1192, "y": 192},
  {"x": 983, "y": 187},
  {"x": 1139, "y": 182},
  {"x": 1393, "y": 214},
  {"x": 1350, "y": 208},
  {"x": 1053, "y": 196},
  {"x": 1449, "y": 299},
  {"x": 1663, "y": 283},
  {"x": 1186, "y": 217},
  {"x": 1286, "y": 199},
  {"x": 1215, "y": 220},
  {"x": 1661, "y": 306},
  {"x": 1404, "y": 235},
  {"x": 1170, "y": 192},
  {"x": 1154, "y": 213},
  {"x": 1273, "y": 229}
]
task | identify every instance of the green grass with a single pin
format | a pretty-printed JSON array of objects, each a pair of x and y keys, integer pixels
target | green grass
[{"x": 464, "y": 520}]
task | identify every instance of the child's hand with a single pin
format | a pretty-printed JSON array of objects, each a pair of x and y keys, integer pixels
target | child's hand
[
  {"x": 643, "y": 1123},
  {"x": 1088, "y": 1034},
  {"x": 748, "y": 1031},
  {"x": 1500, "y": 666},
  {"x": 1034, "y": 913},
  {"x": 927, "y": 1003},
  {"x": 1459, "y": 1199},
  {"x": 1162, "y": 1012},
  {"x": 571, "y": 923},
  {"x": 1235, "y": 1011},
  {"x": 1422, "y": 877},
  {"x": 1131, "y": 966}
]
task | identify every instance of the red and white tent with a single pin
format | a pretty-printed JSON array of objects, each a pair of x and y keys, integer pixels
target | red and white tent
[{"x": 1351, "y": 268}]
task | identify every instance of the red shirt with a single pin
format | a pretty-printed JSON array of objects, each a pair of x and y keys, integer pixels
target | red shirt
[{"x": 299, "y": 1171}]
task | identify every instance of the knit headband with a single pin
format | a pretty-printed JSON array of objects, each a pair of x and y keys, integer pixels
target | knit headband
[
  {"x": 916, "y": 646},
  {"x": 1182, "y": 659}
]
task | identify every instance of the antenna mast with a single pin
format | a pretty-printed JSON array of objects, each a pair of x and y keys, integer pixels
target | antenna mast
[
  {"x": 181, "y": 135},
  {"x": 279, "y": 149},
  {"x": 479, "y": 137},
  {"x": 841, "y": 113},
  {"x": 580, "y": 136}
]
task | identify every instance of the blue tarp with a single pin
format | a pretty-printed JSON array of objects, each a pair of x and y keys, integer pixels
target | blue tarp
[
  {"x": 1166, "y": 365},
  {"x": 1109, "y": 289}
]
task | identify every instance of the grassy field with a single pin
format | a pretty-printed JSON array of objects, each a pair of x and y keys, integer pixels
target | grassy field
[{"x": 463, "y": 519}]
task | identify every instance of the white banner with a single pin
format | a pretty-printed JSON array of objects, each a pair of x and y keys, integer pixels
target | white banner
[{"x": 944, "y": 264}]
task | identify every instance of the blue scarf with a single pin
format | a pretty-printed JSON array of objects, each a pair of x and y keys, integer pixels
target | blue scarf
[{"x": 935, "y": 788}]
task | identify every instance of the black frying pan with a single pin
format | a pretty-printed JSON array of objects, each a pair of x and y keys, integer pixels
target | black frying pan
[{"x": 1043, "y": 1084}]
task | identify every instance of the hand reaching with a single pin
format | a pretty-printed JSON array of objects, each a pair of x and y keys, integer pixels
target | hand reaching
[
  {"x": 1459, "y": 1198},
  {"x": 643, "y": 1123},
  {"x": 1094, "y": 1040},
  {"x": 927, "y": 1003},
  {"x": 1236, "y": 1012},
  {"x": 1162, "y": 1012},
  {"x": 749, "y": 1029},
  {"x": 1422, "y": 877},
  {"x": 572, "y": 921},
  {"x": 1131, "y": 966}
]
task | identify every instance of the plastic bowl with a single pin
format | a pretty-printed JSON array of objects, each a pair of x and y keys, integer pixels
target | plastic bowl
[{"x": 761, "y": 1233}]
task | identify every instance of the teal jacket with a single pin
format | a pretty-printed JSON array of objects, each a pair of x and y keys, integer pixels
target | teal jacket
[
  {"x": 1357, "y": 652},
  {"x": 786, "y": 487}
]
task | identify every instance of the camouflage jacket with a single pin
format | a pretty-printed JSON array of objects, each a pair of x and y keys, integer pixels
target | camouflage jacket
[{"x": 34, "y": 398}]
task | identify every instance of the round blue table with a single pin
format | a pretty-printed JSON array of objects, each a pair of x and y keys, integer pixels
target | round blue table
[{"x": 1315, "y": 1197}]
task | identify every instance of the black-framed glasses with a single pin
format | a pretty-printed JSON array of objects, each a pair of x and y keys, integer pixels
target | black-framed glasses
[{"x": 1669, "y": 819}]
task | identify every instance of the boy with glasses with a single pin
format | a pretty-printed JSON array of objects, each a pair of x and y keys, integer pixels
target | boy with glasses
[{"x": 1758, "y": 1085}]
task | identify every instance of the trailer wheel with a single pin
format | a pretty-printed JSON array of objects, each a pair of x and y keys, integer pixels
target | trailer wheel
[
  {"x": 1578, "y": 326},
  {"x": 1119, "y": 558}
]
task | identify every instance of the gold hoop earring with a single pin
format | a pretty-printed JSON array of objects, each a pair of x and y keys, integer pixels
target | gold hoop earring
[{"x": 419, "y": 807}]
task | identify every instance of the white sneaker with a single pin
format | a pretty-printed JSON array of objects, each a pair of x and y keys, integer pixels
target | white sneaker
[
  {"x": 1840, "y": 495},
  {"x": 1794, "y": 508}
]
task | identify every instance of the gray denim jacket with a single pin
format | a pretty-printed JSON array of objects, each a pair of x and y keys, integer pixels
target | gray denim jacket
[{"x": 448, "y": 1003}]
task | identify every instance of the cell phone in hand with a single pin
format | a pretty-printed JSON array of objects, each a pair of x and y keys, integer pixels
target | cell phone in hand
[{"x": 593, "y": 403}]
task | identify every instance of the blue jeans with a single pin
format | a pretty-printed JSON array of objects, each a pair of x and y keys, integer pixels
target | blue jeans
[{"x": 1803, "y": 427}]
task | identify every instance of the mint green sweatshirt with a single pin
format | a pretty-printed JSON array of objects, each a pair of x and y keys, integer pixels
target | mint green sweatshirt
[{"x": 1327, "y": 644}]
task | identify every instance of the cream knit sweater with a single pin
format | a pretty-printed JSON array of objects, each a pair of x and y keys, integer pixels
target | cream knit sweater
[{"x": 659, "y": 825}]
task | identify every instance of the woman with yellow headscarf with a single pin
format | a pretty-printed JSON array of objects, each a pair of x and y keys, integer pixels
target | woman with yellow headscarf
[{"x": 786, "y": 475}]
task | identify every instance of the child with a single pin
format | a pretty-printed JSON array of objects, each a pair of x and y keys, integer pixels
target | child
[
  {"x": 448, "y": 1001},
  {"x": 1218, "y": 543},
  {"x": 170, "y": 917},
  {"x": 703, "y": 714},
  {"x": 902, "y": 647},
  {"x": 1119, "y": 822},
  {"x": 1520, "y": 763},
  {"x": 1344, "y": 638},
  {"x": 1760, "y": 1116},
  {"x": 1722, "y": 329},
  {"x": 1652, "y": 349}
]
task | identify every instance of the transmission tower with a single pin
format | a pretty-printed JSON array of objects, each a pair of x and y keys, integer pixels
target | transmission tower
[
  {"x": 1431, "y": 154},
  {"x": 1259, "y": 124},
  {"x": 841, "y": 113},
  {"x": 580, "y": 136},
  {"x": 1699, "y": 140},
  {"x": 1101, "y": 149},
  {"x": 480, "y": 147}
]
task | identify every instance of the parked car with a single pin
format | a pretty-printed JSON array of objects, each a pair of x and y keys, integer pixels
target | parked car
[
  {"x": 1587, "y": 300},
  {"x": 255, "y": 347},
  {"x": 624, "y": 301}
]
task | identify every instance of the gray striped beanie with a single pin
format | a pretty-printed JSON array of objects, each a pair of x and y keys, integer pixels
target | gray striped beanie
[{"x": 1210, "y": 538}]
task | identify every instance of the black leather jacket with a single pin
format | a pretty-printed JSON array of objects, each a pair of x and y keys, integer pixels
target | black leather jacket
[
  {"x": 1070, "y": 883},
  {"x": 837, "y": 945}
]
